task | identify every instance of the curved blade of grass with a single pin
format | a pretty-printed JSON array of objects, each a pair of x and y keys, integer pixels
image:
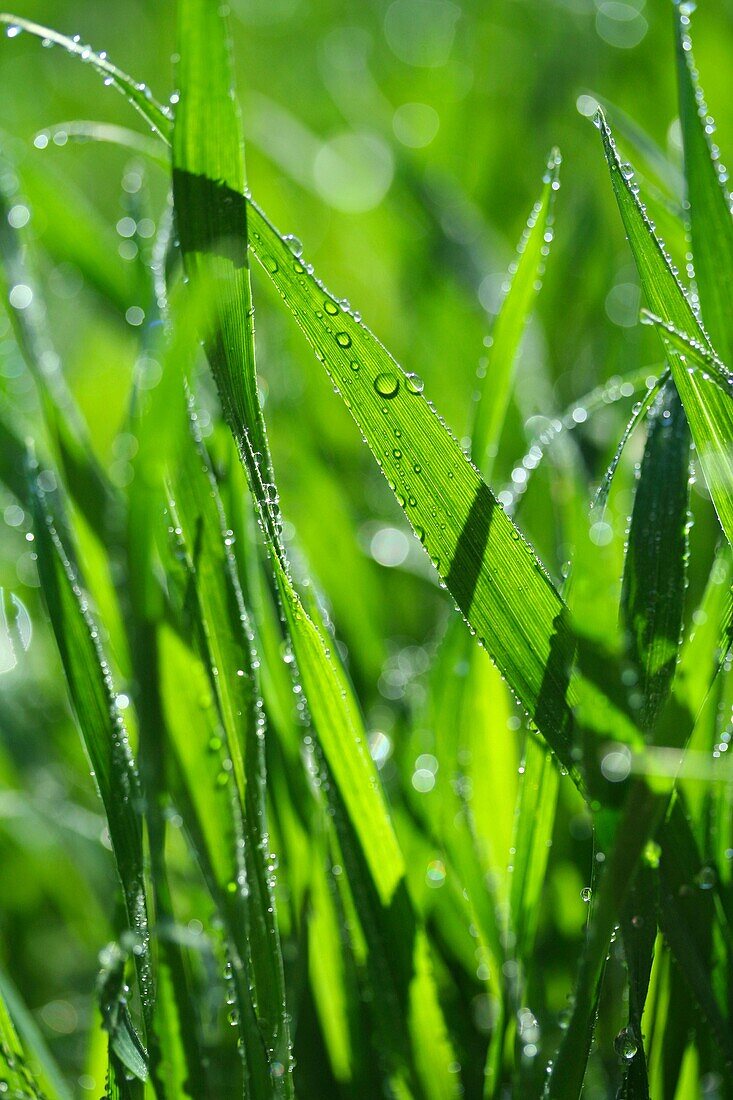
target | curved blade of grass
[
  {"x": 654, "y": 581},
  {"x": 709, "y": 409},
  {"x": 640, "y": 411},
  {"x": 337, "y": 718},
  {"x": 101, "y": 725},
  {"x": 704, "y": 357},
  {"x": 492, "y": 573},
  {"x": 506, "y": 334},
  {"x": 137, "y": 94},
  {"x": 711, "y": 223}
]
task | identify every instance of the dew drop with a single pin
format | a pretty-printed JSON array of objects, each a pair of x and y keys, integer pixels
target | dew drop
[
  {"x": 386, "y": 385},
  {"x": 626, "y": 1045},
  {"x": 414, "y": 383},
  {"x": 343, "y": 339}
]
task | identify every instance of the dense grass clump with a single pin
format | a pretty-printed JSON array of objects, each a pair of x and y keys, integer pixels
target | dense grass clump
[{"x": 403, "y": 765}]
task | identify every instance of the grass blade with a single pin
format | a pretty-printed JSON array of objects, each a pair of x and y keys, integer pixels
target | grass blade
[
  {"x": 102, "y": 728},
  {"x": 709, "y": 409},
  {"x": 654, "y": 569},
  {"x": 507, "y": 331},
  {"x": 21, "y": 1040},
  {"x": 206, "y": 213},
  {"x": 711, "y": 223},
  {"x": 226, "y": 635}
]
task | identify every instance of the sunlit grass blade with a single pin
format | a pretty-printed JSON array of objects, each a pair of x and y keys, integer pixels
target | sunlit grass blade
[
  {"x": 335, "y": 712},
  {"x": 708, "y": 645},
  {"x": 208, "y": 163},
  {"x": 506, "y": 335},
  {"x": 534, "y": 821},
  {"x": 654, "y": 570},
  {"x": 137, "y": 94},
  {"x": 711, "y": 222},
  {"x": 332, "y": 991},
  {"x": 714, "y": 421},
  {"x": 481, "y": 556},
  {"x": 708, "y": 408}
]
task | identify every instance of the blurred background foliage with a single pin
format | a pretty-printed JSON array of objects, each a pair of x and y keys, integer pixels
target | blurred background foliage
[{"x": 404, "y": 143}]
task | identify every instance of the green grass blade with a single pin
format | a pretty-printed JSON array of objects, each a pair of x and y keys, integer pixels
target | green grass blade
[
  {"x": 137, "y": 94},
  {"x": 67, "y": 432},
  {"x": 101, "y": 726},
  {"x": 327, "y": 973},
  {"x": 337, "y": 718},
  {"x": 711, "y": 223},
  {"x": 534, "y": 822},
  {"x": 228, "y": 640},
  {"x": 206, "y": 177},
  {"x": 654, "y": 570},
  {"x": 708, "y": 645},
  {"x": 200, "y": 780},
  {"x": 639, "y": 413},
  {"x": 686, "y": 917},
  {"x": 639, "y": 928},
  {"x": 507, "y": 331},
  {"x": 641, "y": 814},
  {"x": 208, "y": 161},
  {"x": 35, "y": 1072},
  {"x": 20, "y": 1080},
  {"x": 709, "y": 409},
  {"x": 652, "y": 607}
]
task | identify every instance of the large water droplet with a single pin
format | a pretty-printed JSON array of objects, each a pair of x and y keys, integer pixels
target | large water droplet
[
  {"x": 626, "y": 1045},
  {"x": 386, "y": 385}
]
